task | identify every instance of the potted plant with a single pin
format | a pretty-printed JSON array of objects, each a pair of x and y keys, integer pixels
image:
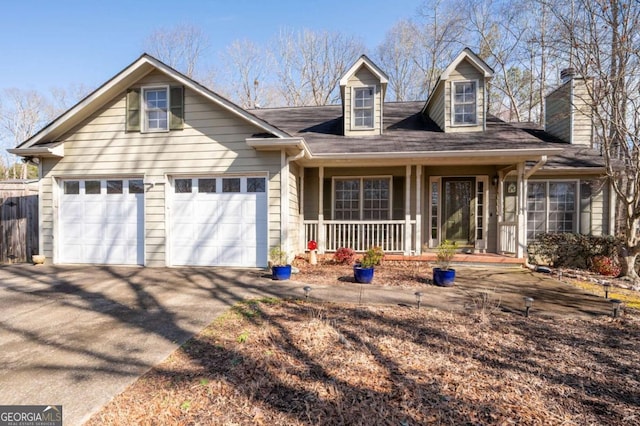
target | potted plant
[
  {"x": 280, "y": 269},
  {"x": 443, "y": 275},
  {"x": 363, "y": 270}
]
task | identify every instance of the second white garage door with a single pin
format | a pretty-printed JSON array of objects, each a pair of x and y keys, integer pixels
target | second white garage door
[{"x": 219, "y": 221}]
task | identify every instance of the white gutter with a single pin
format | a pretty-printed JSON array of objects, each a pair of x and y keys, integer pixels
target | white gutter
[
  {"x": 56, "y": 151},
  {"x": 439, "y": 154}
]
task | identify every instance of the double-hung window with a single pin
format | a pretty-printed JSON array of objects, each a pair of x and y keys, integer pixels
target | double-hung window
[
  {"x": 155, "y": 109},
  {"x": 362, "y": 198},
  {"x": 551, "y": 207},
  {"x": 464, "y": 103},
  {"x": 363, "y": 107}
]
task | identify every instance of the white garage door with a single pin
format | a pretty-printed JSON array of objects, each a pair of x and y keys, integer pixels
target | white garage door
[
  {"x": 102, "y": 221},
  {"x": 219, "y": 221}
]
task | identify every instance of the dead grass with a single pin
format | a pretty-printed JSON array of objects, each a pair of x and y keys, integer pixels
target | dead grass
[{"x": 294, "y": 363}]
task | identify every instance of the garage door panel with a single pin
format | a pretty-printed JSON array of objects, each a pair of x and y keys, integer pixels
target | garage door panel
[
  {"x": 229, "y": 229},
  {"x": 101, "y": 228}
]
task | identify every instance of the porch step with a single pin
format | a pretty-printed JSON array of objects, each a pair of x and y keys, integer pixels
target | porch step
[{"x": 461, "y": 258}]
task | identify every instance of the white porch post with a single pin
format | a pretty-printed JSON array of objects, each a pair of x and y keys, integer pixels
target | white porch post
[
  {"x": 500, "y": 210},
  {"x": 321, "y": 234},
  {"x": 284, "y": 202},
  {"x": 521, "y": 234},
  {"x": 302, "y": 244},
  {"x": 407, "y": 211},
  {"x": 418, "y": 229}
]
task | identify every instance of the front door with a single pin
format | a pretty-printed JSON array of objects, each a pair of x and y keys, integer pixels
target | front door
[{"x": 458, "y": 209}]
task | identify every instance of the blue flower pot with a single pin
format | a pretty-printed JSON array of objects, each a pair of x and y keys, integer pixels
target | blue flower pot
[
  {"x": 444, "y": 277},
  {"x": 281, "y": 273},
  {"x": 363, "y": 275}
]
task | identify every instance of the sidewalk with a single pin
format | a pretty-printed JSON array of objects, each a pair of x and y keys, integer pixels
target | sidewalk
[{"x": 501, "y": 287}]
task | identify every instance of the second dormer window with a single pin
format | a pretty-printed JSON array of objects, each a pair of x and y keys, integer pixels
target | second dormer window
[
  {"x": 363, "y": 107},
  {"x": 464, "y": 103}
]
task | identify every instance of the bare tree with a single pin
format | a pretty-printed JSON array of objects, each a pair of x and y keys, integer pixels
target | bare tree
[
  {"x": 604, "y": 45},
  {"x": 248, "y": 74},
  {"x": 22, "y": 114},
  {"x": 441, "y": 36},
  {"x": 180, "y": 47},
  {"x": 502, "y": 30},
  {"x": 399, "y": 56},
  {"x": 310, "y": 64}
]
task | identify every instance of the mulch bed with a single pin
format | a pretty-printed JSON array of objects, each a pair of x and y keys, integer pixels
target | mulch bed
[
  {"x": 391, "y": 273},
  {"x": 297, "y": 363}
]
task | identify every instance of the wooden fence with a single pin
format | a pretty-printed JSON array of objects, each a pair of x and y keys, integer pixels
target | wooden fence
[{"x": 18, "y": 221}]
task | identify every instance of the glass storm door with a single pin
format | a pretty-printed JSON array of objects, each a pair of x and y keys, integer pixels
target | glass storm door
[{"x": 458, "y": 197}]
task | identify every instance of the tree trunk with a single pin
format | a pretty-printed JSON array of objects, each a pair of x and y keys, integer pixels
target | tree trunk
[{"x": 629, "y": 266}]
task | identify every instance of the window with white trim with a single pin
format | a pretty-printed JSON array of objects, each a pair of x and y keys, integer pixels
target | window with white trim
[
  {"x": 551, "y": 207},
  {"x": 155, "y": 109},
  {"x": 363, "y": 107},
  {"x": 362, "y": 198},
  {"x": 464, "y": 102}
]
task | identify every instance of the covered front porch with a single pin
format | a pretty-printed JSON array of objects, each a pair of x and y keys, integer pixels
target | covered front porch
[{"x": 408, "y": 210}]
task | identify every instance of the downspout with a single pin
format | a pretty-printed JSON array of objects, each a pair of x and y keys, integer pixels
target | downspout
[{"x": 284, "y": 197}]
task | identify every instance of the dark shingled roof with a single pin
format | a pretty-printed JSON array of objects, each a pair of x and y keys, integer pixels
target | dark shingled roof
[{"x": 406, "y": 130}]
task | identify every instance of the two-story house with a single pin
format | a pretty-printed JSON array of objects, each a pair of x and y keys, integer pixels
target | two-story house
[{"x": 154, "y": 169}]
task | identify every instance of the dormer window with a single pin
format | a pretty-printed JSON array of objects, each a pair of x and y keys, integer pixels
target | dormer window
[
  {"x": 464, "y": 103},
  {"x": 363, "y": 107}
]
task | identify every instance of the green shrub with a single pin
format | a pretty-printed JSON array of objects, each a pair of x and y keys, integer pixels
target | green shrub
[
  {"x": 571, "y": 250},
  {"x": 372, "y": 257}
]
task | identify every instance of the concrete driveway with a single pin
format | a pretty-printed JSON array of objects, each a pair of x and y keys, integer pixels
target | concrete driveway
[{"x": 78, "y": 335}]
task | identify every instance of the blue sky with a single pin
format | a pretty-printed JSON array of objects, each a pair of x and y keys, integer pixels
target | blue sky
[{"x": 45, "y": 44}]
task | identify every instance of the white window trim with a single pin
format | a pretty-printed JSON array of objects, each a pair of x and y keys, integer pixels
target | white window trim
[
  {"x": 353, "y": 108},
  {"x": 361, "y": 199},
  {"x": 438, "y": 181},
  {"x": 576, "y": 204},
  {"x": 453, "y": 98},
  {"x": 144, "y": 125}
]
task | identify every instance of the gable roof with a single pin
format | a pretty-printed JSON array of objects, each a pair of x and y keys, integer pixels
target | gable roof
[
  {"x": 118, "y": 84},
  {"x": 368, "y": 63},
  {"x": 474, "y": 59}
]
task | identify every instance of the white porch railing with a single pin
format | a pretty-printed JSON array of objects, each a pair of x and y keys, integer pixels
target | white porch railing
[
  {"x": 360, "y": 236},
  {"x": 507, "y": 233}
]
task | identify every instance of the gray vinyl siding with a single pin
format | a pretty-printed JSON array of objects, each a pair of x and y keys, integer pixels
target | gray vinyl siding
[
  {"x": 558, "y": 113},
  {"x": 212, "y": 142},
  {"x": 435, "y": 109},
  {"x": 582, "y": 126},
  {"x": 363, "y": 77}
]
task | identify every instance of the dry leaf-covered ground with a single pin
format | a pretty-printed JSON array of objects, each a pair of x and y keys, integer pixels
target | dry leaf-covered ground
[{"x": 292, "y": 363}]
